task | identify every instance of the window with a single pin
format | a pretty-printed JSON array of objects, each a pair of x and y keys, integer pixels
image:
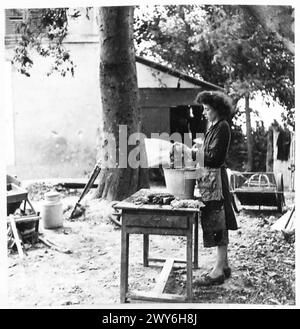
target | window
[{"x": 12, "y": 19}]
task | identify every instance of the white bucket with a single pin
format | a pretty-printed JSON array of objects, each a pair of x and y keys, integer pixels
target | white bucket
[
  {"x": 52, "y": 211},
  {"x": 180, "y": 182}
]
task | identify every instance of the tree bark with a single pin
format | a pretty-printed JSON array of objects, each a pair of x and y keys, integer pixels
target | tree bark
[
  {"x": 120, "y": 104},
  {"x": 249, "y": 134}
]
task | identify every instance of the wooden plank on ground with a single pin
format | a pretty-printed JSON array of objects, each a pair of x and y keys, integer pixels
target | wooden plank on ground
[
  {"x": 151, "y": 297},
  {"x": 163, "y": 277},
  {"x": 158, "y": 259}
]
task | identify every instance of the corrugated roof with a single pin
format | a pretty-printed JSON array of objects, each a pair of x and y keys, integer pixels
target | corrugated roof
[{"x": 177, "y": 74}]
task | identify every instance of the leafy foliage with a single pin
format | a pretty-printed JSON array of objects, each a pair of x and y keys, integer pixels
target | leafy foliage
[
  {"x": 167, "y": 31},
  {"x": 221, "y": 44},
  {"x": 259, "y": 136},
  {"x": 44, "y": 31},
  {"x": 237, "y": 155}
]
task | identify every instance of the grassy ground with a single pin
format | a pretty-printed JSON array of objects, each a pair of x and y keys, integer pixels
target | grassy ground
[{"x": 263, "y": 263}]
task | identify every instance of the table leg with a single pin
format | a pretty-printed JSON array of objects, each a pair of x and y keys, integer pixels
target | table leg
[
  {"x": 124, "y": 265},
  {"x": 37, "y": 226},
  {"x": 189, "y": 265},
  {"x": 146, "y": 250},
  {"x": 196, "y": 240}
]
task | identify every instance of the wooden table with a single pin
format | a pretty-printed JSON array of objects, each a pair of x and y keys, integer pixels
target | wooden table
[{"x": 159, "y": 220}]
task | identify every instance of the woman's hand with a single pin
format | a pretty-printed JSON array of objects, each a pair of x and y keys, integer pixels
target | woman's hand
[
  {"x": 180, "y": 154},
  {"x": 196, "y": 148},
  {"x": 198, "y": 154},
  {"x": 180, "y": 148}
]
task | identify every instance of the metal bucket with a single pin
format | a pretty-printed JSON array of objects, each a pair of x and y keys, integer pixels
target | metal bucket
[{"x": 180, "y": 182}]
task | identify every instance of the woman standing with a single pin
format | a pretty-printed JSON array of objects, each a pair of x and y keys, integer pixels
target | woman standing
[{"x": 217, "y": 217}]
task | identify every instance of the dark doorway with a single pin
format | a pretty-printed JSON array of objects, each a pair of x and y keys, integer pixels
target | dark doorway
[{"x": 187, "y": 119}]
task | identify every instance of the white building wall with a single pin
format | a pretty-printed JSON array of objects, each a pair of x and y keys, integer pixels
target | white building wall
[{"x": 9, "y": 117}]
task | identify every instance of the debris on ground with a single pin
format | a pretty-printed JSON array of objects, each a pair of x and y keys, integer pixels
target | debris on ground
[
  {"x": 52, "y": 245},
  {"x": 262, "y": 262}
]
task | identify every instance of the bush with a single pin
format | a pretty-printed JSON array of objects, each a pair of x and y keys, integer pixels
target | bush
[{"x": 237, "y": 156}]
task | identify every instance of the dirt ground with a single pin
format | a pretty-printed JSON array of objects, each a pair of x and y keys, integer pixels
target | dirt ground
[{"x": 262, "y": 262}]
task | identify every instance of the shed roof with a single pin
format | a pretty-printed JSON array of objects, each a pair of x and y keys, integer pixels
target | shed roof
[{"x": 178, "y": 74}]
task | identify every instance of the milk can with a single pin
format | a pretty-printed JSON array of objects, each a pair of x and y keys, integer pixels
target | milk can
[{"x": 52, "y": 210}]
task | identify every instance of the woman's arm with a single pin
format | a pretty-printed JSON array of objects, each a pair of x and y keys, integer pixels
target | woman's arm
[
  {"x": 198, "y": 154},
  {"x": 182, "y": 153},
  {"x": 181, "y": 148}
]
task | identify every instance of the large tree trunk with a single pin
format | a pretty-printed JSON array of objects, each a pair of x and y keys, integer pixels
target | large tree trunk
[
  {"x": 249, "y": 135},
  {"x": 120, "y": 104}
]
